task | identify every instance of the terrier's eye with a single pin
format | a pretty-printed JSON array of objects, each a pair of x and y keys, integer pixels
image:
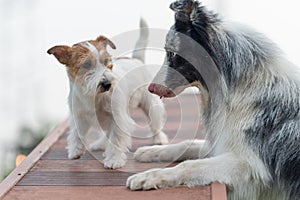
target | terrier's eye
[
  {"x": 106, "y": 61},
  {"x": 87, "y": 65}
]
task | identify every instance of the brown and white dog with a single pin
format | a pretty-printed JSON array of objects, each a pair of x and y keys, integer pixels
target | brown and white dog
[
  {"x": 251, "y": 110},
  {"x": 102, "y": 90}
]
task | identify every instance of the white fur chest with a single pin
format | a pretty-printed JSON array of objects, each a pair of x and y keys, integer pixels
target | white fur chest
[{"x": 91, "y": 109}]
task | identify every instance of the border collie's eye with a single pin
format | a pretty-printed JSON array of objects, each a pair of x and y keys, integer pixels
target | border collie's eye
[
  {"x": 170, "y": 54},
  {"x": 87, "y": 65}
]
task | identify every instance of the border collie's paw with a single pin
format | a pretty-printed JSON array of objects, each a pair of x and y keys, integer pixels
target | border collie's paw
[{"x": 151, "y": 179}]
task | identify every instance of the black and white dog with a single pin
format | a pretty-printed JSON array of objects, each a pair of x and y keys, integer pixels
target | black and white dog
[{"x": 251, "y": 109}]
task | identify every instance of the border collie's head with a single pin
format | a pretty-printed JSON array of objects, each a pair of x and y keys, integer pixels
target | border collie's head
[{"x": 188, "y": 50}]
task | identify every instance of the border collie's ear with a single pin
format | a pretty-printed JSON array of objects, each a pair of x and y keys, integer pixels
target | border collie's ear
[
  {"x": 184, "y": 8},
  {"x": 106, "y": 41},
  {"x": 182, "y": 5}
]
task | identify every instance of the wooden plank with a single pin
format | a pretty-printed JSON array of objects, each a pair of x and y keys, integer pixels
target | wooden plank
[
  {"x": 218, "y": 191},
  {"x": 62, "y": 154},
  {"x": 32, "y": 158},
  {"x": 83, "y": 172},
  {"x": 58, "y": 150},
  {"x": 87, "y": 178},
  {"x": 61, "y": 145},
  {"x": 108, "y": 192},
  {"x": 92, "y": 166},
  {"x": 116, "y": 178}
]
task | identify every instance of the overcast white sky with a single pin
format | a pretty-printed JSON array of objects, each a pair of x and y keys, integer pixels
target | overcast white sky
[
  {"x": 72, "y": 20},
  {"x": 30, "y": 27},
  {"x": 68, "y": 21},
  {"x": 34, "y": 86}
]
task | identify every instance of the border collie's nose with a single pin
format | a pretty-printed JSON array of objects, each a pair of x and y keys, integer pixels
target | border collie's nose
[{"x": 151, "y": 88}]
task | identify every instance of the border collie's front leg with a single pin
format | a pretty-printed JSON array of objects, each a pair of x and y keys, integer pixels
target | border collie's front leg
[
  {"x": 226, "y": 168},
  {"x": 186, "y": 150}
]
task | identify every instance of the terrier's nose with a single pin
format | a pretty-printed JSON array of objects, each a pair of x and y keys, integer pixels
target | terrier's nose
[{"x": 106, "y": 85}]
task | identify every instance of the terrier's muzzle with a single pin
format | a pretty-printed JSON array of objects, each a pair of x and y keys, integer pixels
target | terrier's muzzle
[{"x": 104, "y": 86}]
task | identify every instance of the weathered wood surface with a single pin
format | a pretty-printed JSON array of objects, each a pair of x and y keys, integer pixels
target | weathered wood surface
[{"x": 47, "y": 173}]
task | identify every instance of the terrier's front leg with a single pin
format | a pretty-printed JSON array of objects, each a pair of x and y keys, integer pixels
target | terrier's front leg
[
  {"x": 117, "y": 146},
  {"x": 77, "y": 132},
  {"x": 114, "y": 157},
  {"x": 100, "y": 144}
]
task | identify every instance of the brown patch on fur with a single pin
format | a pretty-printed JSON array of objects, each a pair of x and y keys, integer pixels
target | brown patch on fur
[
  {"x": 78, "y": 57},
  {"x": 110, "y": 66},
  {"x": 61, "y": 52},
  {"x": 106, "y": 41}
]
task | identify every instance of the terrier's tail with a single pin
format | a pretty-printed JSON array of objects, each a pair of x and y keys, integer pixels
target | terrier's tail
[{"x": 141, "y": 44}]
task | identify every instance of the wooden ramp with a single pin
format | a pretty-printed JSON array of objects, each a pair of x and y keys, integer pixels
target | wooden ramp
[{"x": 47, "y": 173}]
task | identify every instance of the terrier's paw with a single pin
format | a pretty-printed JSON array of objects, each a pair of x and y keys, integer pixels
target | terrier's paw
[
  {"x": 161, "y": 138},
  {"x": 152, "y": 179},
  {"x": 150, "y": 154},
  {"x": 114, "y": 163},
  {"x": 97, "y": 146},
  {"x": 75, "y": 153}
]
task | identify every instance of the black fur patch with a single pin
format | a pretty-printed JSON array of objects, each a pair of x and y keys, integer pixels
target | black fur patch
[
  {"x": 199, "y": 29},
  {"x": 184, "y": 68}
]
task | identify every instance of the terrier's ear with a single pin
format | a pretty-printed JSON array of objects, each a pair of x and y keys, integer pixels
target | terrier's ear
[
  {"x": 62, "y": 53},
  {"x": 106, "y": 41}
]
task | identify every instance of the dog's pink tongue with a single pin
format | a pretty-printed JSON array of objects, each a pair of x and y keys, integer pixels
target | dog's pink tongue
[{"x": 160, "y": 90}]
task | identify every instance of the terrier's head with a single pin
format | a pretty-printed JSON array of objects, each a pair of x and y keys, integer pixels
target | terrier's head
[{"x": 88, "y": 63}]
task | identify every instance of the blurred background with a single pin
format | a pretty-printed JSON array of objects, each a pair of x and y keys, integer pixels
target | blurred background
[{"x": 34, "y": 86}]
